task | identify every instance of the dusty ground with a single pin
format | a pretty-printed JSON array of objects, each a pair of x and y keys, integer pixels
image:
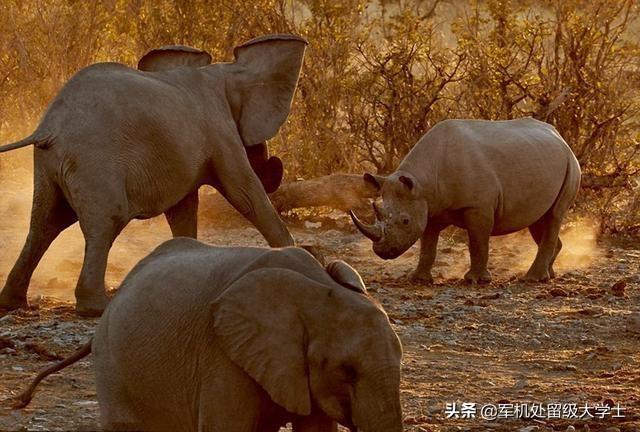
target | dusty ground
[{"x": 575, "y": 340}]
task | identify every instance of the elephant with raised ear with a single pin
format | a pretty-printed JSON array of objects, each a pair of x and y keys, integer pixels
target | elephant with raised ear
[
  {"x": 269, "y": 170},
  {"x": 118, "y": 144},
  {"x": 243, "y": 340}
]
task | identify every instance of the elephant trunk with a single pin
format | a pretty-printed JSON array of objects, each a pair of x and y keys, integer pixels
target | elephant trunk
[{"x": 377, "y": 404}]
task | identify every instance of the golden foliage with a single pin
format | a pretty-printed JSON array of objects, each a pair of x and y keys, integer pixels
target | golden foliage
[{"x": 378, "y": 73}]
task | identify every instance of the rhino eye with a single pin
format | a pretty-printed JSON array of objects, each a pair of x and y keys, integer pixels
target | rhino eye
[{"x": 405, "y": 221}]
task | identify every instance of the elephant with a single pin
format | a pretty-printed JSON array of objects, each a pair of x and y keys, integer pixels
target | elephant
[
  {"x": 239, "y": 339},
  {"x": 118, "y": 144},
  {"x": 488, "y": 177}
]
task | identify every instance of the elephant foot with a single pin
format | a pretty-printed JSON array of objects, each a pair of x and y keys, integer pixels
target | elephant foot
[
  {"x": 10, "y": 303},
  {"x": 534, "y": 276},
  {"x": 421, "y": 277},
  {"x": 91, "y": 308},
  {"x": 478, "y": 277},
  {"x": 89, "y": 312}
]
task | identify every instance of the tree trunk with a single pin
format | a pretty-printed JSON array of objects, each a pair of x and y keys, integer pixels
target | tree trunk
[{"x": 336, "y": 191}]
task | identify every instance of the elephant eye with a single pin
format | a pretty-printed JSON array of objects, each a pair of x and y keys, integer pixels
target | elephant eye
[{"x": 405, "y": 221}]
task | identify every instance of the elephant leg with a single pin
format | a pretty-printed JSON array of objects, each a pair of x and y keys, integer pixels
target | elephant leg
[
  {"x": 99, "y": 235},
  {"x": 479, "y": 224},
  {"x": 213, "y": 417},
  {"x": 537, "y": 231},
  {"x": 242, "y": 188},
  {"x": 317, "y": 421},
  {"x": 183, "y": 217},
  {"x": 50, "y": 215},
  {"x": 428, "y": 250},
  {"x": 116, "y": 413}
]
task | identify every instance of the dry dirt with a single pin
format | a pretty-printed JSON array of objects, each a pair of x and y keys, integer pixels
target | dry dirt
[{"x": 574, "y": 340}]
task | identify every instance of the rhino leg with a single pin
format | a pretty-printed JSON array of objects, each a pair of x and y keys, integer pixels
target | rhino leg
[
  {"x": 537, "y": 232},
  {"x": 552, "y": 273},
  {"x": 428, "y": 250},
  {"x": 479, "y": 224},
  {"x": 545, "y": 232}
]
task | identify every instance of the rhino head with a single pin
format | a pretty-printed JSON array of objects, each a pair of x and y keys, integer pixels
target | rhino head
[{"x": 400, "y": 219}]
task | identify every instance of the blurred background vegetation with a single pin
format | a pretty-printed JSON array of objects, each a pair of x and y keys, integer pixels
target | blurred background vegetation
[{"x": 378, "y": 73}]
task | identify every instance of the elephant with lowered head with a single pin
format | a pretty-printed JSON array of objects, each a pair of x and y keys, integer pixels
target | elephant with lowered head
[
  {"x": 118, "y": 144},
  {"x": 243, "y": 340},
  {"x": 488, "y": 177}
]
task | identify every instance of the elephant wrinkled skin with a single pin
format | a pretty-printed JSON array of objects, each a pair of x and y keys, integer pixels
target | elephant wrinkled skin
[
  {"x": 118, "y": 144},
  {"x": 244, "y": 340},
  {"x": 488, "y": 177}
]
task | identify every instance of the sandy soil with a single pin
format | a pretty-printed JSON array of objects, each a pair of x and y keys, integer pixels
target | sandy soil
[{"x": 574, "y": 340}]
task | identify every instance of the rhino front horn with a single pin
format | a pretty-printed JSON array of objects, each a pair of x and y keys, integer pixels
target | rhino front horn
[{"x": 372, "y": 232}]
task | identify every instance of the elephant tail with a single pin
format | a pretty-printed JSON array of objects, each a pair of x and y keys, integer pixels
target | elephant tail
[
  {"x": 24, "y": 398},
  {"x": 30, "y": 140}
]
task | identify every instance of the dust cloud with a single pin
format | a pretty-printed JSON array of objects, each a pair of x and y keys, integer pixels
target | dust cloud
[
  {"x": 57, "y": 274},
  {"x": 512, "y": 255},
  {"x": 579, "y": 250}
]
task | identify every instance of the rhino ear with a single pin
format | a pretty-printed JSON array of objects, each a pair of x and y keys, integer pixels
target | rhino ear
[
  {"x": 172, "y": 56},
  {"x": 261, "y": 84},
  {"x": 407, "y": 181},
  {"x": 374, "y": 182}
]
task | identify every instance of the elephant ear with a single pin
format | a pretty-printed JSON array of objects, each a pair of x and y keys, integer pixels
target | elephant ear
[
  {"x": 172, "y": 56},
  {"x": 346, "y": 276},
  {"x": 262, "y": 82},
  {"x": 257, "y": 321}
]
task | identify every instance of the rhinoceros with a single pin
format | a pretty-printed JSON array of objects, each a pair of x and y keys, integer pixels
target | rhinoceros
[{"x": 487, "y": 177}]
